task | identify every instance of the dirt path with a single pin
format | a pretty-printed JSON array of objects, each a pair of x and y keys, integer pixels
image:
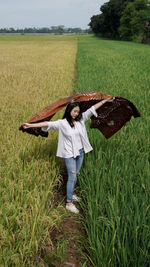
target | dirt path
[
  {"x": 67, "y": 238},
  {"x": 72, "y": 230},
  {"x": 71, "y": 227}
]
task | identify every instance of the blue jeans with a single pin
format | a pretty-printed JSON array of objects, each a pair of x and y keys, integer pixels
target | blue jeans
[{"x": 73, "y": 166}]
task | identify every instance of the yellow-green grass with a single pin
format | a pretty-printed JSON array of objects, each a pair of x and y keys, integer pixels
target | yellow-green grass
[
  {"x": 34, "y": 72},
  {"x": 115, "y": 180}
]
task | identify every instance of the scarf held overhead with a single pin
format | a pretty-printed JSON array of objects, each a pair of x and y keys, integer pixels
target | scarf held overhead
[{"x": 112, "y": 116}]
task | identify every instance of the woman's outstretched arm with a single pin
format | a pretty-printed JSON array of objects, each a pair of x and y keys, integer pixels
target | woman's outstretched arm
[
  {"x": 32, "y": 125},
  {"x": 99, "y": 104},
  {"x": 92, "y": 110}
]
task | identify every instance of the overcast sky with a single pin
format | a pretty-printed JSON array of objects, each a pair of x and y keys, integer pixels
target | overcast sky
[{"x": 46, "y": 13}]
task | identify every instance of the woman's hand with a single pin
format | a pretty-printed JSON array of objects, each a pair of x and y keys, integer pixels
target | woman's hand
[
  {"x": 34, "y": 125},
  {"x": 99, "y": 104},
  {"x": 26, "y": 125},
  {"x": 110, "y": 99},
  {"x": 107, "y": 100}
]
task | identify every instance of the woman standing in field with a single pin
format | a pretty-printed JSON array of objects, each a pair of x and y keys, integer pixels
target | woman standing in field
[{"x": 72, "y": 142}]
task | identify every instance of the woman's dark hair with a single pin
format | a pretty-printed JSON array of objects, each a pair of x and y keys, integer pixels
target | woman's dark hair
[{"x": 67, "y": 114}]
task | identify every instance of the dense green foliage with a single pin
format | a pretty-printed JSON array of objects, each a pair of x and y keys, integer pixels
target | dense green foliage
[
  {"x": 108, "y": 22},
  {"x": 114, "y": 180},
  {"x": 122, "y": 19},
  {"x": 133, "y": 21}
]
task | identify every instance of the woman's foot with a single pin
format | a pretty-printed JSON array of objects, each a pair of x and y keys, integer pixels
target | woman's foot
[
  {"x": 71, "y": 207},
  {"x": 76, "y": 198}
]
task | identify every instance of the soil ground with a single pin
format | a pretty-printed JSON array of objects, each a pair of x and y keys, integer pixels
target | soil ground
[{"x": 71, "y": 231}]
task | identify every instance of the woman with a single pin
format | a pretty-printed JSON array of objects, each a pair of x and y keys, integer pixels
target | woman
[{"x": 72, "y": 142}]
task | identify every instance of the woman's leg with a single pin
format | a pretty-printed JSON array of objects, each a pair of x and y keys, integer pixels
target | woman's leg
[
  {"x": 79, "y": 161},
  {"x": 71, "y": 170}
]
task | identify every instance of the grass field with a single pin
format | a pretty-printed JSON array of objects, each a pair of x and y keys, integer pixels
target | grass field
[
  {"x": 34, "y": 72},
  {"x": 115, "y": 177},
  {"x": 114, "y": 182}
]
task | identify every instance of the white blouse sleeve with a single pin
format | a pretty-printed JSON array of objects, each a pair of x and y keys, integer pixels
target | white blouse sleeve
[
  {"x": 89, "y": 113},
  {"x": 52, "y": 125}
]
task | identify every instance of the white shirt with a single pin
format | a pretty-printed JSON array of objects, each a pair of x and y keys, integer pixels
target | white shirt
[
  {"x": 68, "y": 142},
  {"x": 70, "y": 138}
]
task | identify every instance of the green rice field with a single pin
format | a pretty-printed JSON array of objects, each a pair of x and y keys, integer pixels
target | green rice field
[
  {"x": 115, "y": 178},
  {"x": 114, "y": 181}
]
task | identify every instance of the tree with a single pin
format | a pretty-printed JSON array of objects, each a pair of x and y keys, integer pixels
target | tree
[
  {"x": 133, "y": 20},
  {"x": 108, "y": 22},
  {"x": 97, "y": 24}
]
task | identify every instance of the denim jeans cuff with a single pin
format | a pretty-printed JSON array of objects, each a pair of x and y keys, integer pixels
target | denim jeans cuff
[{"x": 69, "y": 201}]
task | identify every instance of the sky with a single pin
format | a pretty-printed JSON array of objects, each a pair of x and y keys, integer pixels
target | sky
[{"x": 47, "y": 13}]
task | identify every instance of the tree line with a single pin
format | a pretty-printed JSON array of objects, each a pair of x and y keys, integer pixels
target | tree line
[
  {"x": 123, "y": 19},
  {"x": 50, "y": 30}
]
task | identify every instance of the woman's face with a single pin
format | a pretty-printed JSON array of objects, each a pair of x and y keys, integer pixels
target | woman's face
[{"x": 75, "y": 112}]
